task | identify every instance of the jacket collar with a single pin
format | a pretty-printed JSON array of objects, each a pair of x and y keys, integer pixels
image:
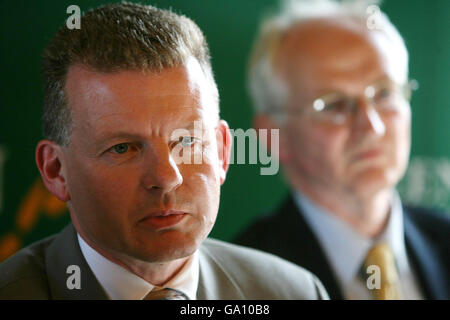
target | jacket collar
[
  {"x": 214, "y": 282},
  {"x": 62, "y": 253},
  {"x": 305, "y": 249},
  {"x": 425, "y": 259}
]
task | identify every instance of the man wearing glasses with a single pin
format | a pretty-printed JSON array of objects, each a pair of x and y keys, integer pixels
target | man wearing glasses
[{"x": 337, "y": 88}]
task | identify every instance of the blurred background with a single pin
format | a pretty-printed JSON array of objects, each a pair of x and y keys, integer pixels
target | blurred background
[{"x": 28, "y": 212}]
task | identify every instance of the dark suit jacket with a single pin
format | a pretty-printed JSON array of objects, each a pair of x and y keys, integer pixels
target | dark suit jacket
[
  {"x": 227, "y": 272},
  {"x": 427, "y": 234}
]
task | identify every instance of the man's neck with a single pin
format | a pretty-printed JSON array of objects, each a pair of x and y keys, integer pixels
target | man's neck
[
  {"x": 156, "y": 273},
  {"x": 366, "y": 214}
]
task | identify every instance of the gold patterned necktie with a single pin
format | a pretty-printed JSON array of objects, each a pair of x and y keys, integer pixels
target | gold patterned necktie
[
  {"x": 382, "y": 256},
  {"x": 165, "y": 294}
]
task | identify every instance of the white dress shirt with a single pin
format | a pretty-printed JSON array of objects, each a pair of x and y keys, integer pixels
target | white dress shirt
[
  {"x": 121, "y": 284},
  {"x": 346, "y": 249}
]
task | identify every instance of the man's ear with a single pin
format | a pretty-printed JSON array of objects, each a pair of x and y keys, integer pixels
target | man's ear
[
  {"x": 48, "y": 160},
  {"x": 267, "y": 122},
  {"x": 224, "y": 144}
]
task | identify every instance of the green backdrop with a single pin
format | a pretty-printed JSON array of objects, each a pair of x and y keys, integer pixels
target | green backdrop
[{"x": 229, "y": 25}]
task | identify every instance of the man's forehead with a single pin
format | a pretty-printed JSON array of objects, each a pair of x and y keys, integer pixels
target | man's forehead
[
  {"x": 159, "y": 121},
  {"x": 128, "y": 125},
  {"x": 84, "y": 80},
  {"x": 340, "y": 49},
  {"x": 137, "y": 101},
  {"x": 324, "y": 42},
  {"x": 184, "y": 116},
  {"x": 85, "y": 87}
]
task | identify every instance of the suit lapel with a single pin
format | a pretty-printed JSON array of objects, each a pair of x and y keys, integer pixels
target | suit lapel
[
  {"x": 214, "y": 283},
  {"x": 303, "y": 248},
  {"x": 310, "y": 255},
  {"x": 297, "y": 243},
  {"x": 425, "y": 260},
  {"x": 62, "y": 253}
]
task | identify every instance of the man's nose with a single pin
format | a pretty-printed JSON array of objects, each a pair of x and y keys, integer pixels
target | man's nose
[
  {"x": 161, "y": 171},
  {"x": 368, "y": 119}
]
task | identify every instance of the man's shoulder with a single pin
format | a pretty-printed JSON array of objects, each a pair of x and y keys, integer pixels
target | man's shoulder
[
  {"x": 429, "y": 215},
  {"x": 432, "y": 223},
  {"x": 241, "y": 254},
  {"x": 271, "y": 230},
  {"x": 263, "y": 271},
  {"x": 24, "y": 273}
]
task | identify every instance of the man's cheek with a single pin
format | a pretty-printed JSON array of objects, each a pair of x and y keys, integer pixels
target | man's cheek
[
  {"x": 115, "y": 180},
  {"x": 398, "y": 137},
  {"x": 205, "y": 185},
  {"x": 106, "y": 192},
  {"x": 321, "y": 146},
  {"x": 210, "y": 164},
  {"x": 206, "y": 189}
]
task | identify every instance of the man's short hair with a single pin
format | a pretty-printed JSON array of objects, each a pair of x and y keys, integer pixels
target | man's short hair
[
  {"x": 115, "y": 37},
  {"x": 267, "y": 90}
]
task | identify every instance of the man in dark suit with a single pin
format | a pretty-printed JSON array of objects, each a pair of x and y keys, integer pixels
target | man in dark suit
[
  {"x": 335, "y": 82},
  {"x": 135, "y": 146}
]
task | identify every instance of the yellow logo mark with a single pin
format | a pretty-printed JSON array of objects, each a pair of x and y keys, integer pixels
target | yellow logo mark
[{"x": 37, "y": 201}]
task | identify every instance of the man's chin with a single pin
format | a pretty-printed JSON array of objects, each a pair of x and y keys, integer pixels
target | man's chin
[
  {"x": 373, "y": 180},
  {"x": 167, "y": 248},
  {"x": 161, "y": 257}
]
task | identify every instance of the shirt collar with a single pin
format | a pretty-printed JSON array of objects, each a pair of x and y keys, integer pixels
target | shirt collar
[
  {"x": 121, "y": 284},
  {"x": 339, "y": 240}
]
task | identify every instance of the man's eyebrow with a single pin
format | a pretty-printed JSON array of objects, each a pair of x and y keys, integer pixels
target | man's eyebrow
[
  {"x": 191, "y": 125},
  {"x": 106, "y": 136},
  {"x": 340, "y": 91}
]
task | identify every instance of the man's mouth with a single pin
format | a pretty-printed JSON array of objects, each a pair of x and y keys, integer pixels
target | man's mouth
[
  {"x": 163, "y": 219},
  {"x": 368, "y": 154}
]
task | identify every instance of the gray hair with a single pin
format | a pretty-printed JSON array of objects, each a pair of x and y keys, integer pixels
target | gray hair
[
  {"x": 114, "y": 37},
  {"x": 267, "y": 89}
]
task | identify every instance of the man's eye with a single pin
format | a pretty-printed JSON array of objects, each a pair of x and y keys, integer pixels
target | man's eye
[
  {"x": 187, "y": 141},
  {"x": 120, "y": 148},
  {"x": 383, "y": 93},
  {"x": 338, "y": 106}
]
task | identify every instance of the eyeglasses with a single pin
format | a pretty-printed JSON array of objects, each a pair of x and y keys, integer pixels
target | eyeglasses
[{"x": 338, "y": 108}]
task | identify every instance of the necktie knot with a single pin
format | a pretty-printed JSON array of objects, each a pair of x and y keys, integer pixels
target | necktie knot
[{"x": 165, "y": 294}]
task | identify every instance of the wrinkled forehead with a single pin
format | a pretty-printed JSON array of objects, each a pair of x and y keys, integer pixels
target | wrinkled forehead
[{"x": 333, "y": 52}]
